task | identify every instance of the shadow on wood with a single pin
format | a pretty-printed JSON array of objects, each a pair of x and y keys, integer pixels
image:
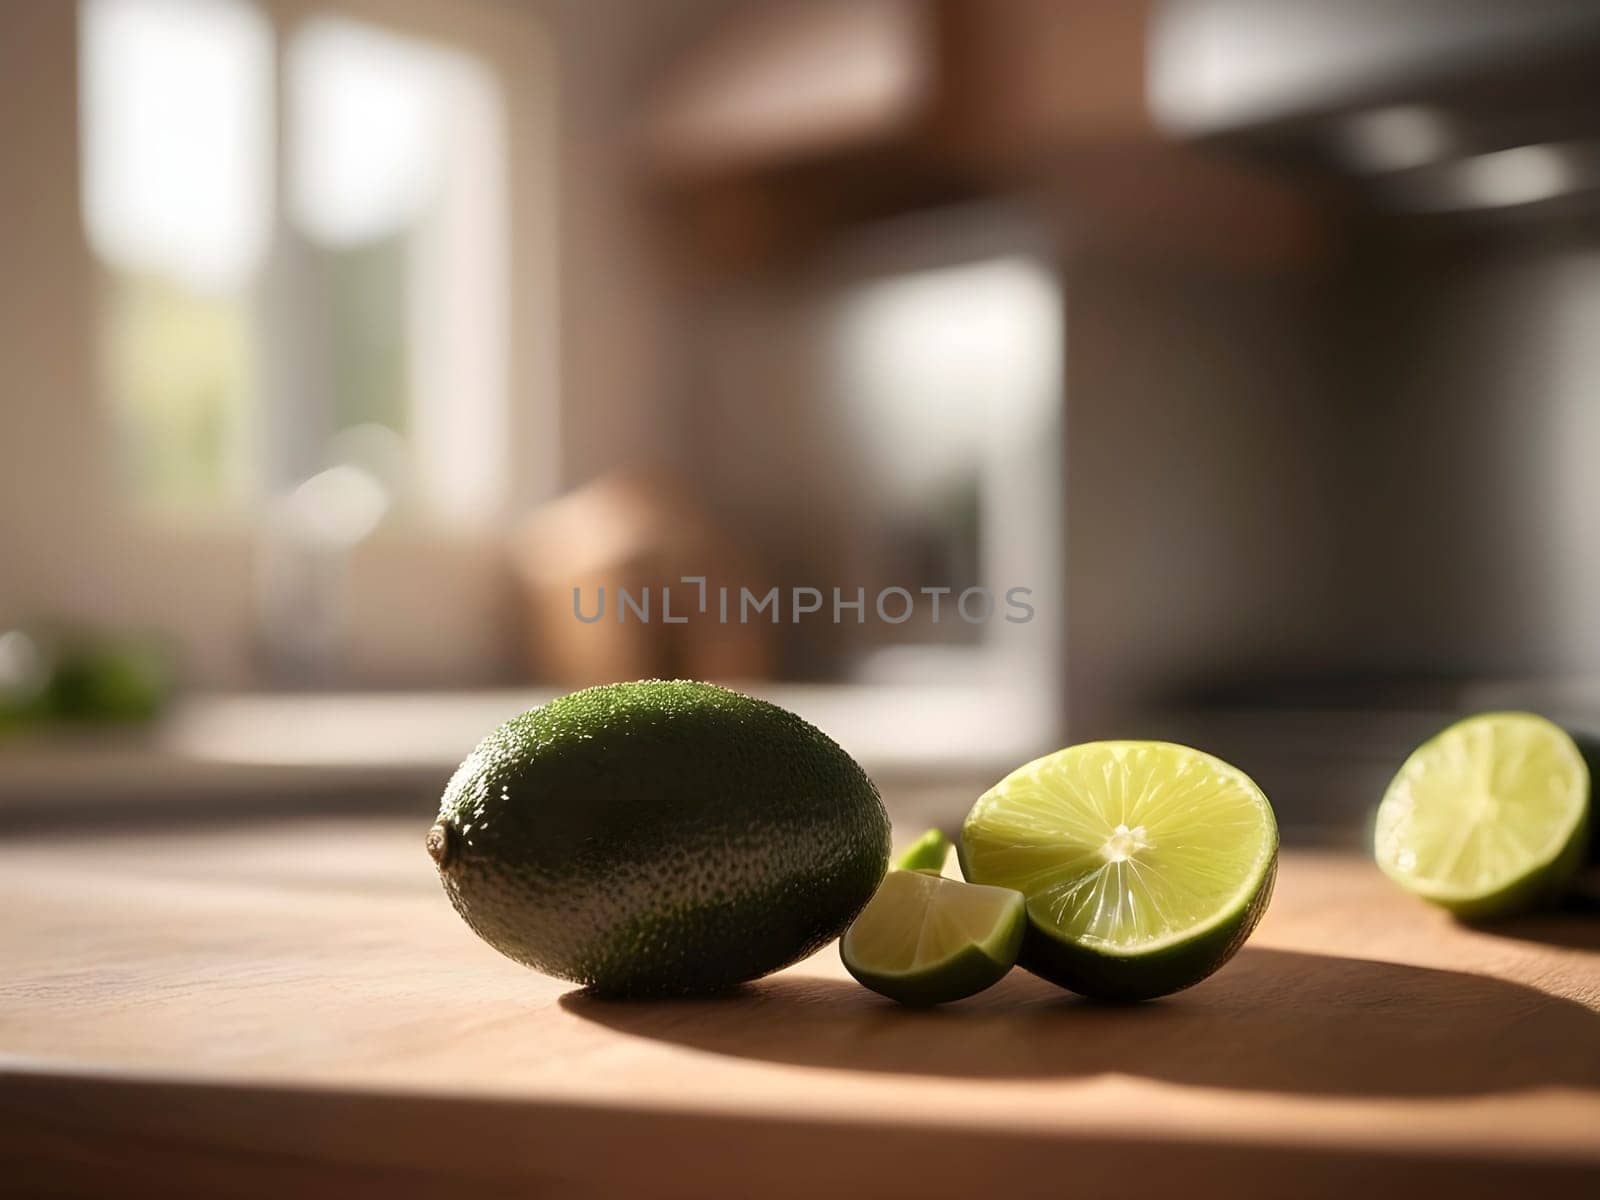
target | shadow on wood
[
  {"x": 1576, "y": 926},
  {"x": 1272, "y": 1020}
]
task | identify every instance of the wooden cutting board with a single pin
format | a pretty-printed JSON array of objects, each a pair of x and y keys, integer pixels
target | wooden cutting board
[{"x": 293, "y": 1009}]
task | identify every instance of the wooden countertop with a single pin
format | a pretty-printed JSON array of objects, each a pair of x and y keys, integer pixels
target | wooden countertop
[{"x": 293, "y": 1008}]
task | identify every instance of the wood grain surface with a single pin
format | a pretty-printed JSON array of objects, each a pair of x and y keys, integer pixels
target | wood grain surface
[{"x": 293, "y": 1008}]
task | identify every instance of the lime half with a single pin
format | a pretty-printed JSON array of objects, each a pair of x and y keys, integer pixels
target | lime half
[
  {"x": 1146, "y": 865},
  {"x": 1489, "y": 817},
  {"x": 927, "y": 853},
  {"x": 923, "y": 939}
]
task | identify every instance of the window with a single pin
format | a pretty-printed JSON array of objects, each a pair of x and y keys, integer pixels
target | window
[
  {"x": 949, "y": 377},
  {"x": 303, "y": 236},
  {"x": 177, "y": 185}
]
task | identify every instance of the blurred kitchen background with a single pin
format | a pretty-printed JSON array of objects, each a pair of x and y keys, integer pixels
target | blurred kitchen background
[{"x": 341, "y": 339}]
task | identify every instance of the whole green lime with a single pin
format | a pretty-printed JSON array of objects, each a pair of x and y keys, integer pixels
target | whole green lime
[{"x": 659, "y": 838}]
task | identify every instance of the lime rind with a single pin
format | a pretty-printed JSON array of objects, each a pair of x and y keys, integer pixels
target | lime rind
[
  {"x": 925, "y": 940},
  {"x": 1489, "y": 817},
  {"x": 1090, "y": 971}
]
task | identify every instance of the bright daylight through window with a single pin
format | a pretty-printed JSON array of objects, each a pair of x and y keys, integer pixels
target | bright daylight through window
[{"x": 293, "y": 222}]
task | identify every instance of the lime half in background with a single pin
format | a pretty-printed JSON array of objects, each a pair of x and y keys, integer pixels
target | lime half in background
[
  {"x": 923, "y": 939},
  {"x": 1145, "y": 865},
  {"x": 1488, "y": 818}
]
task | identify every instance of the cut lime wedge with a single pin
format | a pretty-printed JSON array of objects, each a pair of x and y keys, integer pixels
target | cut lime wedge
[
  {"x": 923, "y": 939},
  {"x": 927, "y": 853},
  {"x": 1489, "y": 817},
  {"x": 1146, "y": 865}
]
